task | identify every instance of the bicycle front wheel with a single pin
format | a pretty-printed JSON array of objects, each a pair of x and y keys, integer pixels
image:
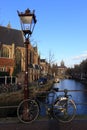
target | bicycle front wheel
[
  {"x": 28, "y": 111},
  {"x": 64, "y": 110}
]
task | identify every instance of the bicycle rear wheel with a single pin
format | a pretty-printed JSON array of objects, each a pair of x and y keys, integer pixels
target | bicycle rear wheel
[
  {"x": 64, "y": 110},
  {"x": 28, "y": 111}
]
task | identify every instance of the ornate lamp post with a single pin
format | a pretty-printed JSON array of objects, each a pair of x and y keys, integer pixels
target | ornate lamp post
[{"x": 28, "y": 21}]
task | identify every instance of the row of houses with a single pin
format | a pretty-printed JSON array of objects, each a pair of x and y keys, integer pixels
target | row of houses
[{"x": 12, "y": 56}]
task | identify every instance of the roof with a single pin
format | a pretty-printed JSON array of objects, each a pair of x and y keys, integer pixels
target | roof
[
  {"x": 62, "y": 67},
  {"x": 42, "y": 60},
  {"x": 6, "y": 62},
  {"x": 9, "y": 36}
]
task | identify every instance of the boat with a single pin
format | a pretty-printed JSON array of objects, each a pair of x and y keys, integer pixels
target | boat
[{"x": 56, "y": 80}]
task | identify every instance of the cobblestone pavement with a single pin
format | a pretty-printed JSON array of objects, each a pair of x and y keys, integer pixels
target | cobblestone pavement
[{"x": 43, "y": 125}]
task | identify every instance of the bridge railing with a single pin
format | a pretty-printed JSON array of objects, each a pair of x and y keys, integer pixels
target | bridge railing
[{"x": 71, "y": 91}]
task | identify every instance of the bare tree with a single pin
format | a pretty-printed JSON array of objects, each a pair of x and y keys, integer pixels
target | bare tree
[{"x": 51, "y": 61}]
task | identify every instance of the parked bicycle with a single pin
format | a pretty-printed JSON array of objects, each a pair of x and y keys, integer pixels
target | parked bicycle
[{"x": 62, "y": 108}]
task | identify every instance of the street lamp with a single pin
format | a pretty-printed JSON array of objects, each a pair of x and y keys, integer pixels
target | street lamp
[{"x": 28, "y": 21}]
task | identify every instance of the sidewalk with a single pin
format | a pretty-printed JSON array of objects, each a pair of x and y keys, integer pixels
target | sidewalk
[{"x": 45, "y": 124}]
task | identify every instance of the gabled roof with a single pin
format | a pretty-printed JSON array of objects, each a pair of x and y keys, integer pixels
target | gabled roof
[
  {"x": 6, "y": 62},
  {"x": 9, "y": 36}
]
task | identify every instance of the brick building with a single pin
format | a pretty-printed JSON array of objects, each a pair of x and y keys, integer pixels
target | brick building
[{"x": 12, "y": 54}]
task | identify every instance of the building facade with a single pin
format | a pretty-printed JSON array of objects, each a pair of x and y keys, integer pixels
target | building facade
[
  {"x": 61, "y": 71},
  {"x": 12, "y": 54},
  {"x": 44, "y": 67}
]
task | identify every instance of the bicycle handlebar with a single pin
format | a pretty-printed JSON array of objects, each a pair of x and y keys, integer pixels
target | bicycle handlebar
[
  {"x": 57, "y": 90},
  {"x": 65, "y": 92}
]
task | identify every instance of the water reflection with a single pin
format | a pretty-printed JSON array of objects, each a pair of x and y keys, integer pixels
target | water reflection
[{"x": 79, "y": 97}]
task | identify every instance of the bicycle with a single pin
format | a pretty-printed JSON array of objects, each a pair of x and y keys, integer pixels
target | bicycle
[{"x": 62, "y": 108}]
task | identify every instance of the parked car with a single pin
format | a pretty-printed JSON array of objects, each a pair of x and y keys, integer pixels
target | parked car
[{"x": 42, "y": 80}]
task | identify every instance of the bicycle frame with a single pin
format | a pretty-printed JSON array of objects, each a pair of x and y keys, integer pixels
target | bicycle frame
[{"x": 46, "y": 99}]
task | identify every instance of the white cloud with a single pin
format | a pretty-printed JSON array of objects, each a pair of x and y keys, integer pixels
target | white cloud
[
  {"x": 81, "y": 56},
  {"x": 71, "y": 61},
  {"x": 85, "y": 52}
]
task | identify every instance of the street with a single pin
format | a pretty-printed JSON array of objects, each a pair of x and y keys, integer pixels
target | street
[{"x": 44, "y": 125}]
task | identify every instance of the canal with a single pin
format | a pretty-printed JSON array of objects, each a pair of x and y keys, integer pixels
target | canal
[{"x": 80, "y": 97}]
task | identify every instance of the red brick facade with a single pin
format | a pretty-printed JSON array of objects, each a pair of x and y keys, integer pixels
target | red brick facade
[{"x": 7, "y": 65}]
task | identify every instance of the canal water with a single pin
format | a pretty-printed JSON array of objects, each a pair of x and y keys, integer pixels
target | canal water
[{"x": 80, "y": 97}]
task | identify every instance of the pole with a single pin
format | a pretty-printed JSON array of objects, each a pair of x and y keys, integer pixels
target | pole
[
  {"x": 5, "y": 80},
  {"x": 26, "y": 89}
]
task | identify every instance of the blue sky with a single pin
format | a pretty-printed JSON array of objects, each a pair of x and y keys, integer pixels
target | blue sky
[{"x": 61, "y": 27}]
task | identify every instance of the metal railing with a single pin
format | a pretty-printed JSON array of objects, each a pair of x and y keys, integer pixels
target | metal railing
[{"x": 77, "y": 103}]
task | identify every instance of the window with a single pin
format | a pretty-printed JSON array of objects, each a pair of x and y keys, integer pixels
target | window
[
  {"x": 4, "y": 52},
  {"x": 18, "y": 61},
  {"x": 18, "y": 56}
]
